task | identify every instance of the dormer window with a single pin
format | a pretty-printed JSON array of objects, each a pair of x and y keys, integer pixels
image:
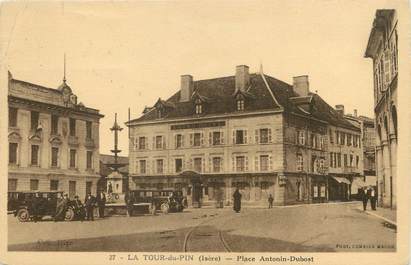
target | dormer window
[
  {"x": 240, "y": 104},
  {"x": 199, "y": 108},
  {"x": 159, "y": 113}
]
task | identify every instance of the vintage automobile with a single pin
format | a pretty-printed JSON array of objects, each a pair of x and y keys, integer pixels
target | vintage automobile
[
  {"x": 21, "y": 205},
  {"x": 164, "y": 200}
]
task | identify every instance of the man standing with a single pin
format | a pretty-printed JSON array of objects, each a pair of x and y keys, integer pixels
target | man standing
[
  {"x": 128, "y": 199},
  {"x": 79, "y": 208},
  {"x": 373, "y": 198},
  {"x": 270, "y": 201},
  {"x": 61, "y": 208},
  {"x": 90, "y": 203},
  {"x": 35, "y": 206},
  {"x": 365, "y": 197},
  {"x": 237, "y": 200},
  {"x": 101, "y": 203}
]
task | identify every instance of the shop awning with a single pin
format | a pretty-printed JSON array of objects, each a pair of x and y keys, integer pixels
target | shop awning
[{"x": 342, "y": 180}]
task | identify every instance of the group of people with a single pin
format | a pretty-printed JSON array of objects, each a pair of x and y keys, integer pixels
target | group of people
[
  {"x": 369, "y": 193},
  {"x": 90, "y": 202},
  {"x": 82, "y": 211}
]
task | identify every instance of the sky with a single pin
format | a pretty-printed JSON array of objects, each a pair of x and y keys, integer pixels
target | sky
[{"x": 122, "y": 55}]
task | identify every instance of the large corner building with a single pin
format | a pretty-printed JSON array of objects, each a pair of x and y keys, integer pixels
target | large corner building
[
  {"x": 53, "y": 140},
  {"x": 382, "y": 48},
  {"x": 250, "y": 131}
]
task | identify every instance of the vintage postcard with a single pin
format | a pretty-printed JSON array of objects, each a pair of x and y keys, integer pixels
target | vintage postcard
[{"x": 213, "y": 132}]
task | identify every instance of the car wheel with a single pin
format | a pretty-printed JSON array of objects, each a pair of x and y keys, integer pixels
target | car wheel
[
  {"x": 23, "y": 215},
  {"x": 69, "y": 216},
  {"x": 165, "y": 208}
]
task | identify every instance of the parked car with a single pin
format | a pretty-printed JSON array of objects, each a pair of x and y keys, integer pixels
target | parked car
[
  {"x": 164, "y": 200},
  {"x": 21, "y": 205}
]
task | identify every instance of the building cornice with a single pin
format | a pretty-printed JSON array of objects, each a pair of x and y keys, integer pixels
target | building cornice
[
  {"x": 88, "y": 111},
  {"x": 191, "y": 119}
]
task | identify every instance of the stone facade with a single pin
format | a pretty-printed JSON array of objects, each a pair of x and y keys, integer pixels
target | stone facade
[
  {"x": 382, "y": 48},
  {"x": 53, "y": 140},
  {"x": 249, "y": 131}
]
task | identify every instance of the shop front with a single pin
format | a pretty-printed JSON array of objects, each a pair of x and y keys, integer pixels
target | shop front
[{"x": 339, "y": 188}]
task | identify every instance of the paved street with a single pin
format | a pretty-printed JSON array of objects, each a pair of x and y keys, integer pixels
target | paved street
[{"x": 303, "y": 228}]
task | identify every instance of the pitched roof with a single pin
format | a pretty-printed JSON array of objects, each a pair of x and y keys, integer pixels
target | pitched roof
[
  {"x": 220, "y": 100},
  {"x": 219, "y": 93}
]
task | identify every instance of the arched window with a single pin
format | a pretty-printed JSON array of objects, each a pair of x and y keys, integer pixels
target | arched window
[
  {"x": 394, "y": 120},
  {"x": 387, "y": 133},
  {"x": 379, "y": 132}
]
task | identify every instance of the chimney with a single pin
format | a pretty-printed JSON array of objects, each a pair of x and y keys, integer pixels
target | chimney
[
  {"x": 340, "y": 109},
  {"x": 301, "y": 85},
  {"x": 242, "y": 77},
  {"x": 186, "y": 88},
  {"x": 355, "y": 113}
]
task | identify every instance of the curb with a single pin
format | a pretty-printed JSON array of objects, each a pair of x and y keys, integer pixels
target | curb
[
  {"x": 380, "y": 217},
  {"x": 280, "y": 206}
]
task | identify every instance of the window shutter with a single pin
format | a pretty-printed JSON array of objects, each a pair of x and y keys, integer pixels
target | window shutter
[
  {"x": 164, "y": 142},
  {"x": 175, "y": 141},
  {"x": 191, "y": 139},
  {"x": 146, "y": 143},
  {"x": 210, "y": 168},
  {"x": 132, "y": 144},
  {"x": 210, "y": 138},
  {"x": 270, "y": 139},
  {"x": 233, "y": 163},
  {"x": 257, "y": 136},
  {"x": 270, "y": 162},
  {"x": 234, "y": 137},
  {"x": 173, "y": 166},
  {"x": 182, "y": 140},
  {"x": 296, "y": 137},
  {"x": 257, "y": 163},
  {"x": 246, "y": 163},
  {"x": 222, "y": 164},
  {"x": 202, "y": 164},
  {"x": 154, "y": 142},
  {"x": 202, "y": 139},
  {"x": 387, "y": 67},
  {"x": 245, "y": 136},
  {"x": 153, "y": 162},
  {"x": 190, "y": 164},
  {"x": 137, "y": 164},
  {"x": 183, "y": 165},
  {"x": 165, "y": 166},
  {"x": 222, "y": 137},
  {"x": 137, "y": 143}
]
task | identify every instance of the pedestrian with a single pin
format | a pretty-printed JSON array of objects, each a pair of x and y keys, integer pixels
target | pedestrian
[
  {"x": 373, "y": 198},
  {"x": 80, "y": 212},
  {"x": 101, "y": 203},
  {"x": 35, "y": 206},
  {"x": 128, "y": 199},
  {"x": 61, "y": 208},
  {"x": 365, "y": 197},
  {"x": 237, "y": 200},
  {"x": 270, "y": 201},
  {"x": 90, "y": 203}
]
